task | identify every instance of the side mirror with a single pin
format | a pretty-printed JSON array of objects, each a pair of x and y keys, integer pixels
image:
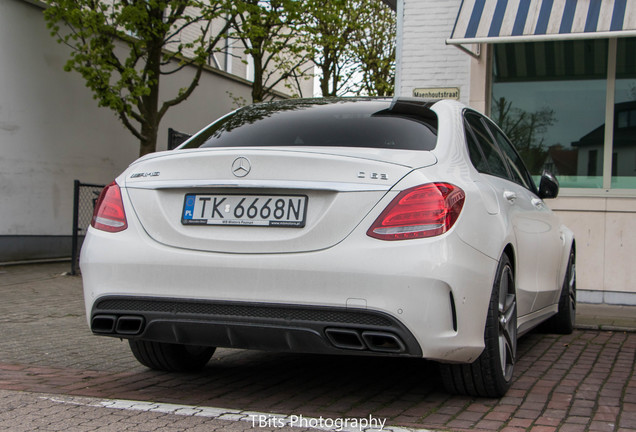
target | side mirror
[{"x": 549, "y": 186}]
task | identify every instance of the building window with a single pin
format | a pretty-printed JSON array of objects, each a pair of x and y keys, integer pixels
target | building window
[
  {"x": 592, "y": 163},
  {"x": 624, "y": 139},
  {"x": 549, "y": 98}
]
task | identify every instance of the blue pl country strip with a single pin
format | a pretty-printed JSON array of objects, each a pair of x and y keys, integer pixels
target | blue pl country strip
[{"x": 188, "y": 209}]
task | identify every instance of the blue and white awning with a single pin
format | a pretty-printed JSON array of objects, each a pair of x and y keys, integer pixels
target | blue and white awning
[{"x": 494, "y": 21}]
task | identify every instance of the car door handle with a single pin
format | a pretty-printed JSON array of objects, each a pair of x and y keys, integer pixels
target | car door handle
[
  {"x": 538, "y": 203},
  {"x": 510, "y": 196}
]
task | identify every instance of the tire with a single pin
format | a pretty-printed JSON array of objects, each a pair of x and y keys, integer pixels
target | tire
[
  {"x": 170, "y": 357},
  {"x": 491, "y": 374},
  {"x": 563, "y": 322}
]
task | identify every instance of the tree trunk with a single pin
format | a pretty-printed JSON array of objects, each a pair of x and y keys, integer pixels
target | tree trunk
[
  {"x": 150, "y": 102},
  {"x": 326, "y": 80},
  {"x": 149, "y": 143},
  {"x": 257, "y": 85}
]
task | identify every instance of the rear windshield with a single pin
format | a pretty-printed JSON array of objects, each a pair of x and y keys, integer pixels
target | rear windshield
[{"x": 320, "y": 123}]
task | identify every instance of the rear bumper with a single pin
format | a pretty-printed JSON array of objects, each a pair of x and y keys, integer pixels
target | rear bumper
[
  {"x": 433, "y": 294},
  {"x": 286, "y": 328}
]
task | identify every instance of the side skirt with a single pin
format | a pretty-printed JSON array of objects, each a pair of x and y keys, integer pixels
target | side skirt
[{"x": 531, "y": 320}]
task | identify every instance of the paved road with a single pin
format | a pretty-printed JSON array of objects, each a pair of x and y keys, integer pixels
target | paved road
[{"x": 55, "y": 375}]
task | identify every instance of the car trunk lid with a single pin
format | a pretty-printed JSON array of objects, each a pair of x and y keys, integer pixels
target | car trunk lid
[{"x": 325, "y": 195}]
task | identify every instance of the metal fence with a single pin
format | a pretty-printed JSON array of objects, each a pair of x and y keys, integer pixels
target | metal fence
[{"x": 84, "y": 198}]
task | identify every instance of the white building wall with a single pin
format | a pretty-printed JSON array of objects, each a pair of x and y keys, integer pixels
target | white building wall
[
  {"x": 52, "y": 132},
  {"x": 605, "y": 245},
  {"x": 423, "y": 58}
]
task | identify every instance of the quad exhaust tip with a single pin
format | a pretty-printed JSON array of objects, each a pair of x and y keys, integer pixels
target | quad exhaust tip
[
  {"x": 129, "y": 325},
  {"x": 103, "y": 324},
  {"x": 126, "y": 325},
  {"x": 345, "y": 339},
  {"x": 376, "y": 341},
  {"x": 383, "y": 342}
]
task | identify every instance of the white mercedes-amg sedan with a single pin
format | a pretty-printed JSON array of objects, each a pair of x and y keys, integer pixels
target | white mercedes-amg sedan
[{"x": 378, "y": 227}]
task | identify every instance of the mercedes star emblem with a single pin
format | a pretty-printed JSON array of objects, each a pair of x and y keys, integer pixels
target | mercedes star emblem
[{"x": 241, "y": 167}]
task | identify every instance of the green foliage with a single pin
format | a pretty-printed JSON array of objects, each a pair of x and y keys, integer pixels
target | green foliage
[
  {"x": 122, "y": 48},
  {"x": 374, "y": 48},
  {"x": 331, "y": 28},
  {"x": 352, "y": 42},
  {"x": 269, "y": 31}
]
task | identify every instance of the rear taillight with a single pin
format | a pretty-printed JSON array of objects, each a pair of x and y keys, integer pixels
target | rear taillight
[
  {"x": 109, "y": 214},
  {"x": 423, "y": 211}
]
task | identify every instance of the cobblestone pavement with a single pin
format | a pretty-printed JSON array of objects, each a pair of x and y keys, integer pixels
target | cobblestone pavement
[{"x": 579, "y": 382}]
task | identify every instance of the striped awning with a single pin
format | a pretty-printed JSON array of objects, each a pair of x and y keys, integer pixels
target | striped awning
[{"x": 494, "y": 21}]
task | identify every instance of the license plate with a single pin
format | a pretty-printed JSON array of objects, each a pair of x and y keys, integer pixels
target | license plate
[{"x": 247, "y": 210}]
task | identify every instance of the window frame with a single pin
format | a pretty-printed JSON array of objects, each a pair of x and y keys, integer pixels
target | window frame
[
  {"x": 531, "y": 186},
  {"x": 468, "y": 127},
  {"x": 470, "y": 135},
  {"x": 488, "y": 124}
]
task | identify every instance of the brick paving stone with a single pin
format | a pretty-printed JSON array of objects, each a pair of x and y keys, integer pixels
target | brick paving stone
[
  {"x": 543, "y": 429},
  {"x": 547, "y": 421},
  {"x": 470, "y": 416},
  {"x": 438, "y": 419},
  {"x": 609, "y": 401},
  {"x": 577, "y": 419},
  {"x": 581, "y": 412},
  {"x": 460, "y": 424},
  {"x": 421, "y": 409},
  {"x": 450, "y": 409},
  {"x": 606, "y": 413},
  {"x": 480, "y": 407},
  {"x": 555, "y": 414},
  {"x": 528, "y": 414},
  {"x": 489, "y": 425},
  {"x": 508, "y": 409},
  {"x": 520, "y": 423},
  {"x": 559, "y": 403},
  {"x": 597, "y": 426},
  {"x": 498, "y": 416},
  {"x": 628, "y": 417},
  {"x": 401, "y": 420},
  {"x": 514, "y": 401},
  {"x": 530, "y": 405}
]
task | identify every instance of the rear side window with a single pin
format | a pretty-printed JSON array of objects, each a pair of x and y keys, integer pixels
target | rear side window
[
  {"x": 517, "y": 168},
  {"x": 476, "y": 156},
  {"x": 318, "y": 123},
  {"x": 495, "y": 164}
]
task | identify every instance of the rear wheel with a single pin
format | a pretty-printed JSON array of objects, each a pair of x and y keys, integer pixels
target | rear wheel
[
  {"x": 170, "y": 357},
  {"x": 563, "y": 321},
  {"x": 491, "y": 374}
]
